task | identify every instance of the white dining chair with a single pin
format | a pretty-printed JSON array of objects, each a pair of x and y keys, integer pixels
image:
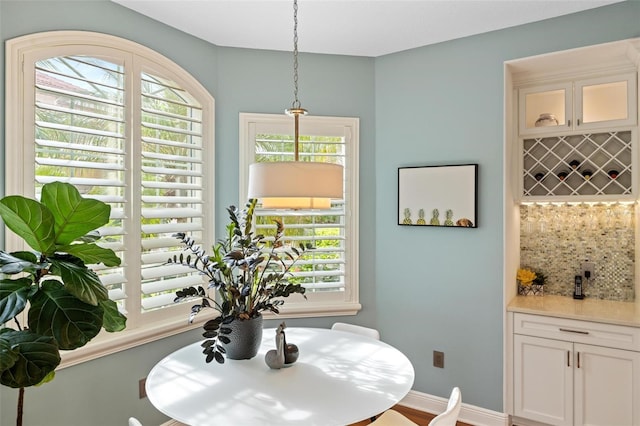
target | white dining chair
[
  {"x": 357, "y": 329},
  {"x": 392, "y": 418},
  {"x": 448, "y": 418},
  {"x": 450, "y": 415},
  {"x": 134, "y": 422}
]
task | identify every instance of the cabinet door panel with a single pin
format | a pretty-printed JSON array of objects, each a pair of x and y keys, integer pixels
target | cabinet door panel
[
  {"x": 606, "y": 386},
  {"x": 543, "y": 380},
  {"x": 606, "y": 101},
  {"x": 537, "y": 101}
]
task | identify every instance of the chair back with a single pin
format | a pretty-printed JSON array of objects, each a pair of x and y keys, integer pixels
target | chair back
[
  {"x": 450, "y": 416},
  {"x": 357, "y": 329},
  {"x": 134, "y": 422},
  {"x": 392, "y": 418}
]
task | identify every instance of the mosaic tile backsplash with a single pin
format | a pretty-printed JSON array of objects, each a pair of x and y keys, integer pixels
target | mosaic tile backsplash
[{"x": 556, "y": 239}]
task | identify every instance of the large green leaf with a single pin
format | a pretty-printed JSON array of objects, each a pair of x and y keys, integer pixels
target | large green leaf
[
  {"x": 56, "y": 312},
  {"x": 74, "y": 216},
  {"x": 49, "y": 377},
  {"x": 28, "y": 256},
  {"x": 80, "y": 281},
  {"x": 37, "y": 357},
  {"x": 30, "y": 220},
  {"x": 92, "y": 253},
  {"x": 8, "y": 355},
  {"x": 13, "y": 297},
  {"x": 11, "y": 264},
  {"x": 112, "y": 319},
  {"x": 90, "y": 237}
]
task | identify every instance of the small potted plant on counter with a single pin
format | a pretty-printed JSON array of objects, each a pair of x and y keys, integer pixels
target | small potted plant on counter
[{"x": 530, "y": 282}]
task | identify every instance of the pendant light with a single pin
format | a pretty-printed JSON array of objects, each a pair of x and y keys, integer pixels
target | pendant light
[{"x": 295, "y": 184}]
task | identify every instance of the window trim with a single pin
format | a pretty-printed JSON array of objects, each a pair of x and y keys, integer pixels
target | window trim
[
  {"x": 317, "y": 304},
  {"x": 20, "y": 180}
]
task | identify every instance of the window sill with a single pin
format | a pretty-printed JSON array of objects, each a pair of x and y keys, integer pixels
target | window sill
[{"x": 110, "y": 343}]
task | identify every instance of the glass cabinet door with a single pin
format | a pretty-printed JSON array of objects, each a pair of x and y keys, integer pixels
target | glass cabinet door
[
  {"x": 606, "y": 101},
  {"x": 544, "y": 109}
]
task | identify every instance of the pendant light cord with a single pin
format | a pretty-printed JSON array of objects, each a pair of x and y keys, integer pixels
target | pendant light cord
[
  {"x": 296, "y": 102},
  {"x": 296, "y": 109}
]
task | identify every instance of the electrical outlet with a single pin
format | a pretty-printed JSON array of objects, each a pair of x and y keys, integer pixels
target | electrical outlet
[
  {"x": 142, "y": 391},
  {"x": 438, "y": 359},
  {"x": 588, "y": 269}
]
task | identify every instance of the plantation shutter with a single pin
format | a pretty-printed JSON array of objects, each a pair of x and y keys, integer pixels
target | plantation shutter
[
  {"x": 172, "y": 186},
  {"x": 80, "y": 138},
  {"x": 134, "y": 141},
  {"x": 323, "y": 268}
]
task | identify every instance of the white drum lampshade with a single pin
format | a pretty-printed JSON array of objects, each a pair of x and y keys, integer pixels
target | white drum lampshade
[{"x": 295, "y": 184}]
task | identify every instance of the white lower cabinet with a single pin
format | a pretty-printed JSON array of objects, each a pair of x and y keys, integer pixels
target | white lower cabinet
[
  {"x": 543, "y": 380},
  {"x": 565, "y": 383},
  {"x": 606, "y": 386}
]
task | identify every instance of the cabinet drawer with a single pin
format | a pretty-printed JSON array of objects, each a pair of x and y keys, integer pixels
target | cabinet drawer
[{"x": 593, "y": 333}]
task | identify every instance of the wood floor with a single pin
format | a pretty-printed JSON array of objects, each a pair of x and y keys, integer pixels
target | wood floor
[{"x": 416, "y": 416}]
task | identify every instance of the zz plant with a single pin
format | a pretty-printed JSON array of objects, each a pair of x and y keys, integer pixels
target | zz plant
[
  {"x": 68, "y": 305},
  {"x": 247, "y": 275}
]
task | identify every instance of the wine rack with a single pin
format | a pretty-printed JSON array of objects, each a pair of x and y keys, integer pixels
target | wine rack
[{"x": 584, "y": 165}]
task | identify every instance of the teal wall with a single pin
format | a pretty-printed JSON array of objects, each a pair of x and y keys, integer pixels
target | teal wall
[
  {"x": 425, "y": 289},
  {"x": 443, "y": 104}
]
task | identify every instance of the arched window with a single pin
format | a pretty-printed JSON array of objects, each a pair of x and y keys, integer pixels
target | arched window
[{"x": 128, "y": 126}]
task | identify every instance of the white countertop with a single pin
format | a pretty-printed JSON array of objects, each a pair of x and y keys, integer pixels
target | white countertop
[{"x": 605, "y": 311}]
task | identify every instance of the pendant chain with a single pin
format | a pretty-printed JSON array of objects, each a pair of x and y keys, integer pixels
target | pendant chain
[{"x": 296, "y": 102}]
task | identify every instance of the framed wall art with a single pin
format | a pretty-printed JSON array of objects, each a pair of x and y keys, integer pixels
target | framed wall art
[{"x": 438, "y": 196}]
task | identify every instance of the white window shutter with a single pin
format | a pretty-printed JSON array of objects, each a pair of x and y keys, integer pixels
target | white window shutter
[
  {"x": 329, "y": 269},
  {"x": 127, "y": 134}
]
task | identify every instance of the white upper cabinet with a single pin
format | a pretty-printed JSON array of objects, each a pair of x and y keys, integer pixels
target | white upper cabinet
[
  {"x": 606, "y": 102},
  {"x": 595, "y": 103},
  {"x": 545, "y": 109}
]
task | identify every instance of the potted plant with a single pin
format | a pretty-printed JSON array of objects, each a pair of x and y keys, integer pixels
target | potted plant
[
  {"x": 68, "y": 305},
  {"x": 248, "y": 274},
  {"x": 530, "y": 281}
]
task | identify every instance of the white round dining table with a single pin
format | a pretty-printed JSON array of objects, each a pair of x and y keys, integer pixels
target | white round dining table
[{"x": 339, "y": 378}]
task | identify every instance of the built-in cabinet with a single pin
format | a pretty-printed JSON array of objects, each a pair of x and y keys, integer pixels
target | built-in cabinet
[
  {"x": 577, "y": 139},
  {"x": 569, "y": 372},
  {"x": 581, "y": 105},
  {"x": 570, "y": 362}
]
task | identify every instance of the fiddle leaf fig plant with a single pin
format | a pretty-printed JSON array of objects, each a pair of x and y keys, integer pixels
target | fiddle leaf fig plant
[{"x": 68, "y": 305}]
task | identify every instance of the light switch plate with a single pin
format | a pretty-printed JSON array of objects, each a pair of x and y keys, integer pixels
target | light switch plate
[{"x": 142, "y": 391}]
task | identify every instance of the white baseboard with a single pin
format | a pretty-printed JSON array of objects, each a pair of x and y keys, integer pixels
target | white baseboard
[{"x": 468, "y": 413}]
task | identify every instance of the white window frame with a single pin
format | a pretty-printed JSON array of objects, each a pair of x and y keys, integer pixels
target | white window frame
[
  {"x": 329, "y": 303},
  {"x": 21, "y": 54}
]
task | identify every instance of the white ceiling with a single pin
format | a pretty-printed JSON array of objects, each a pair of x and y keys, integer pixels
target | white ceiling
[{"x": 348, "y": 27}]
